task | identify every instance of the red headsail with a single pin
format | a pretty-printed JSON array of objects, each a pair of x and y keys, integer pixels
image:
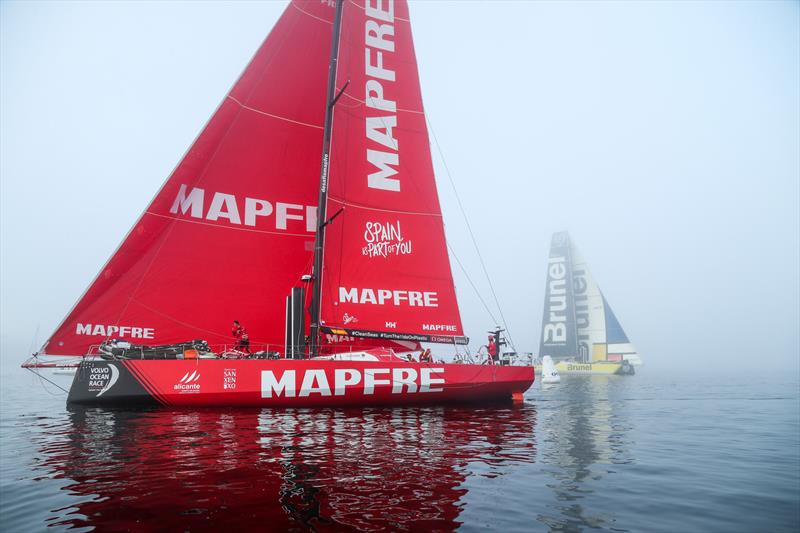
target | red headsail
[
  {"x": 386, "y": 273},
  {"x": 232, "y": 229}
]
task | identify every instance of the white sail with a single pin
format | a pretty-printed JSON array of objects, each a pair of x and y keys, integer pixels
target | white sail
[
  {"x": 600, "y": 335},
  {"x": 578, "y": 324},
  {"x": 590, "y": 319}
]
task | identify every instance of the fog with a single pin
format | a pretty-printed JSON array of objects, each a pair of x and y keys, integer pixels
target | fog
[{"x": 665, "y": 137}]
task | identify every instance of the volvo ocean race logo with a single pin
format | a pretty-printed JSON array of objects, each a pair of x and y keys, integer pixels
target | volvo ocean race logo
[
  {"x": 188, "y": 383},
  {"x": 383, "y": 239},
  {"x": 102, "y": 378}
]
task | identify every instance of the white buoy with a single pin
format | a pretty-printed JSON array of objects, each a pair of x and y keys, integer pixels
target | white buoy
[{"x": 549, "y": 372}]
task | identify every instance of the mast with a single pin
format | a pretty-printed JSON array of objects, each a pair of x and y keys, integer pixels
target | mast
[{"x": 323, "y": 183}]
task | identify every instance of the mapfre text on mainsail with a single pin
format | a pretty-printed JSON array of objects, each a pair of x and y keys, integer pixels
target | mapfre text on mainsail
[{"x": 383, "y": 152}]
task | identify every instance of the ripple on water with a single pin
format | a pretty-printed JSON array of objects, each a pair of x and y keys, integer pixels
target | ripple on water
[{"x": 613, "y": 454}]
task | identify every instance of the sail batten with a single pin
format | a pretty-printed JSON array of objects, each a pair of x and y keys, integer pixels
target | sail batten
[
  {"x": 382, "y": 210},
  {"x": 272, "y": 115}
]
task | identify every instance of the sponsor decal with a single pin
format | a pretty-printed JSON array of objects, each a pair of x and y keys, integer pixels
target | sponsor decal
[
  {"x": 383, "y": 152},
  {"x": 102, "y": 378},
  {"x": 254, "y": 212},
  {"x": 579, "y": 368},
  {"x": 100, "y": 330},
  {"x": 335, "y": 338},
  {"x": 188, "y": 383},
  {"x": 291, "y": 384},
  {"x": 579, "y": 289},
  {"x": 396, "y": 336},
  {"x": 396, "y": 298},
  {"x": 384, "y": 239},
  {"x": 554, "y": 331},
  {"x": 449, "y": 340},
  {"x": 229, "y": 378},
  {"x": 349, "y": 319},
  {"x": 440, "y": 328}
]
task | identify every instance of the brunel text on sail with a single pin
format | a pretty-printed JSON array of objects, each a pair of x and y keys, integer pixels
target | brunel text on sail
[{"x": 555, "y": 327}]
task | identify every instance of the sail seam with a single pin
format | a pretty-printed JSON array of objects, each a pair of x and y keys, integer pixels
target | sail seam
[
  {"x": 229, "y": 227},
  {"x": 274, "y": 116},
  {"x": 310, "y": 15},
  {"x": 363, "y": 102},
  {"x": 359, "y": 206},
  {"x": 182, "y": 323}
]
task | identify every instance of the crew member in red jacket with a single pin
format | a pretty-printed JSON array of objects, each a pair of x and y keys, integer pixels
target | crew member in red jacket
[
  {"x": 491, "y": 348},
  {"x": 241, "y": 336}
]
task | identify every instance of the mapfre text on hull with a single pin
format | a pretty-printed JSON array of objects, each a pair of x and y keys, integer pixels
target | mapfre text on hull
[{"x": 292, "y": 383}]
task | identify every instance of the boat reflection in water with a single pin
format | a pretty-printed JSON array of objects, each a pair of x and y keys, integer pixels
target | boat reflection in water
[
  {"x": 322, "y": 469},
  {"x": 562, "y": 461},
  {"x": 585, "y": 433}
]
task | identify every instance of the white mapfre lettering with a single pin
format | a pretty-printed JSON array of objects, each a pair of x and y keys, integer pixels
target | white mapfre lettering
[
  {"x": 404, "y": 377},
  {"x": 396, "y": 298},
  {"x": 439, "y": 327},
  {"x": 398, "y": 380},
  {"x": 270, "y": 385},
  {"x": 378, "y": 49},
  {"x": 315, "y": 382},
  {"x": 345, "y": 377},
  {"x": 101, "y": 330},
  {"x": 282, "y": 216},
  {"x": 425, "y": 380},
  {"x": 371, "y": 379}
]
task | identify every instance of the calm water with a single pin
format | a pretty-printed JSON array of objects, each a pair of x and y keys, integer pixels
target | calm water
[{"x": 647, "y": 453}]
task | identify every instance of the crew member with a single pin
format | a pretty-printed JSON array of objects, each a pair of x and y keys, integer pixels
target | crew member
[
  {"x": 425, "y": 356},
  {"x": 241, "y": 336},
  {"x": 491, "y": 348}
]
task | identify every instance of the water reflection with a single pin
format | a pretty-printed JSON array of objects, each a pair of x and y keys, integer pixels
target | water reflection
[
  {"x": 585, "y": 433},
  {"x": 371, "y": 469},
  {"x": 553, "y": 463}
]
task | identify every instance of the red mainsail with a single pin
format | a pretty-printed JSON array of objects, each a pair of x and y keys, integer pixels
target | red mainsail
[
  {"x": 232, "y": 229},
  {"x": 386, "y": 273}
]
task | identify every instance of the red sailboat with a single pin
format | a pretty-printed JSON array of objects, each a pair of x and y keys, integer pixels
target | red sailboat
[{"x": 249, "y": 219}]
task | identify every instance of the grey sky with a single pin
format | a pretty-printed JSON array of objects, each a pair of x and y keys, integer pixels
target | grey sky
[{"x": 664, "y": 136}]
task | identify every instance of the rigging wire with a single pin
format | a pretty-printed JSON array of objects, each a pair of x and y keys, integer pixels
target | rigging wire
[
  {"x": 471, "y": 234},
  {"x": 41, "y": 377},
  {"x": 471, "y": 283}
]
